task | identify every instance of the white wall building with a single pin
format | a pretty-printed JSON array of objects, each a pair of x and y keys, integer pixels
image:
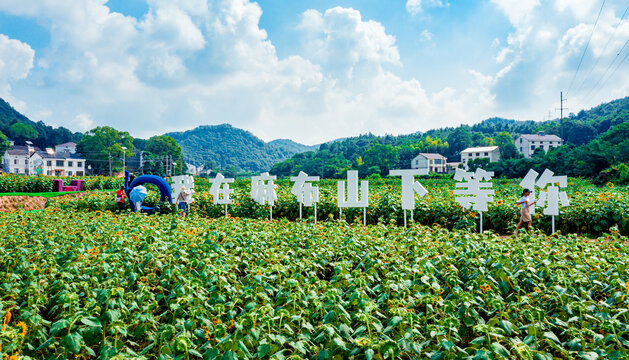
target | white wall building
[
  {"x": 19, "y": 160},
  {"x": 527, "y": 143},
  {"x": 63, "y": 164},
  {"x": 486, "y": 152},
  {"x": 429, "y": 162}
]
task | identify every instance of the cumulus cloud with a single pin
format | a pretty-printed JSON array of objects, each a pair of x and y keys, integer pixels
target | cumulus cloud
[
  {"x": 194, "y": 62},
  {"x": 340, "y": 41},
  {"x": 415, "y": 7},
  {"x": 426, "y": 35},
  {"x": 579, "y": 8},
  {"x": 16, "y": 60},
  {"x": 188, "y": 63},
  {"x": 83, "y": 122},
  {"x": 541, "y": 56}
]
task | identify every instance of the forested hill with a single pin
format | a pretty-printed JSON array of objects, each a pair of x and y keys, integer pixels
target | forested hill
[
  {"x": 371, "y": 154},
  {"x": 19, "y": 128},
  {"x": 230, "y": 149}
]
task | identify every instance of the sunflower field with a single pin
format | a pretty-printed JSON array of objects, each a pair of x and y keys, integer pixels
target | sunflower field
[
  {"x": 36, "y": 184},
  {"x": 593, "y": 210},
  {"x": 101, "y": 285}
]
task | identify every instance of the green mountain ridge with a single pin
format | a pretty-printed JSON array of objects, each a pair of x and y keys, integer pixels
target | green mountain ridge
[
  {"x": 46, "y": 135},
  {"x": 370, "y": 154},
  {"x": 220, "y": 147},
  {"x": 229, "y": 149}
]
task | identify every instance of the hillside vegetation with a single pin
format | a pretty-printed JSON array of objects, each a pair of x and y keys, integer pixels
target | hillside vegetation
[
  {"x": 40, "y": 134},
  {"x": 224, "y": 147},
  {"x": 595, "y": 139}
]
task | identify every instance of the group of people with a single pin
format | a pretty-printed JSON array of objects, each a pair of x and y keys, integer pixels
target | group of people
[
  {"x": 182, "y": 205},
  {"x": 182, "y": 199}
]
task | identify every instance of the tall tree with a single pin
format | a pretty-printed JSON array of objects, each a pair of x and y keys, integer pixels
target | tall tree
[
  {"x": 459, "y": 140},
  {"x": 504, "y": 141},
  {"x": 160, "y": 149},
  {"x": 4, "y": 143},
  {"x": 103, "y": 142},
  {"x": 21, "y": 132},
  {"x": 381, "y": 157}
]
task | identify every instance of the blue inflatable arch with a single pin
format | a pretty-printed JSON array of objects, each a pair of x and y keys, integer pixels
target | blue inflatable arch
[{"x": 165, "y": 192}]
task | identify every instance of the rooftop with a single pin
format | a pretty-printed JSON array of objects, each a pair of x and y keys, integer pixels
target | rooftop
[
  {"x": 67, "y": 144},
  {"x": 432, "y": 156},
  {"x": 480, "y": 149},
  {"x": 541, "y": 137},
  {"x": 59, "y": 155}
]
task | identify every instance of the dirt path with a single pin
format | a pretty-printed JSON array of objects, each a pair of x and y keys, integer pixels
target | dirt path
[
  {"x": 26, "y": 203},
  {"x": 21, "y": 203}
]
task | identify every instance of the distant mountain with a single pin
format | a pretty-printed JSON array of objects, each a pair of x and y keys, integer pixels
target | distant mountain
[
  {"x": 46, "y": 135},
  {"x": 222, "y": 146},
  {"x": 371, "y": 154},
  {"x": 292, "y": 146}
]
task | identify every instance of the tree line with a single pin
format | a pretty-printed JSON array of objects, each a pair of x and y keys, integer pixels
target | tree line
[{"x": 596, "y": 146}]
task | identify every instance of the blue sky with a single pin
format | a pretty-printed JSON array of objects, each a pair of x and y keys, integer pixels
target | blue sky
[{"x": 309, "y": 70}]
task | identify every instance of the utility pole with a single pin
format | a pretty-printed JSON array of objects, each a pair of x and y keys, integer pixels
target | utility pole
[
  {"x": 109, "y": 163},
  {"x": 561, "y": 108},
  {"x": 124, "y": 159}
]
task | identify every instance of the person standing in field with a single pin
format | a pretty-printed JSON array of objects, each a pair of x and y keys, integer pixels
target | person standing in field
[
  {"x": 120, "y": 198},
  {"x": 525, "y": 217},
  {"x": 182, "y": 200}
]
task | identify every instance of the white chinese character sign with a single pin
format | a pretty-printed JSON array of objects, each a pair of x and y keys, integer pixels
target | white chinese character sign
[
  {"x": 307, "y": 194},
  {"x": 353, "y": 200},
  {"x": 477, "y": 194},
  {"x": 550, "y": 196},
  {"x": 185, "y": 184},
  {"x": 263, "y": 190},
  {"x": 220, "y": 190},
  {"x": 529, "y": 183},
  {"x": 410, "y": 187}
]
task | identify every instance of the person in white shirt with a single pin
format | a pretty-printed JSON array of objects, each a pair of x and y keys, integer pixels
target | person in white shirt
[
  {"x": 182, "y": 200},
  {"x": 525, "y": 217}
]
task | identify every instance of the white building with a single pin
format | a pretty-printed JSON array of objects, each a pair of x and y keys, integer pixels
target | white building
[
  {"x": 429, "y": 162},
  {"x": 62, "y": 164},
  {"x": 33, "y": 161},
  {"x": 17, "y": 159},
  {"x": 527, "y": 143},
  {"x": 69, "y": 147},
  {"x": 486, "y": 152}
]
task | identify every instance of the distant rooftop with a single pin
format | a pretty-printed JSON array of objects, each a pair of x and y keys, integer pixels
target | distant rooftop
[
  {"x": 541, "y": 137},
  {"x": 67, "y": 144},
  {"x": 480, "y": 149},
  {"x": 432, "y": 156},
  {"x": 59, "y": 155}
]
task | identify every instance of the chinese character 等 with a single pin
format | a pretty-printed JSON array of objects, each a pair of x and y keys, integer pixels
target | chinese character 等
[{"x": 477, "y": 192}]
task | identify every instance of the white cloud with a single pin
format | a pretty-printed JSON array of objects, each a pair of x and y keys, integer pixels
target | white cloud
[
  {"x": 518, "y": 11},
  {"x": 186, "y": 64},
  {"x": 339, "y": 40},
  {"x": 426, "y": 35},
  {"x": 195, "y": 62},
  {"x": 83, "y": 122},
  {"x": 579, "y": 8},
  {"x": 415, "y": 7},
  {"x": 16, "y": 61}
]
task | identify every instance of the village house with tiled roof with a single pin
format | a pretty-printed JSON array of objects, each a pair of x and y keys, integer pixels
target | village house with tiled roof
[
  {"x": 528, "y": 143},
  {"x": 30, "y": 160}
]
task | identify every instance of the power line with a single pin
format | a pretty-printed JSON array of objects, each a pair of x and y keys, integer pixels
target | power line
[
  {"x": 604, "y": 49},
  {"x": 596, "y": 88},
  {"x": 586, "y": 47}
]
